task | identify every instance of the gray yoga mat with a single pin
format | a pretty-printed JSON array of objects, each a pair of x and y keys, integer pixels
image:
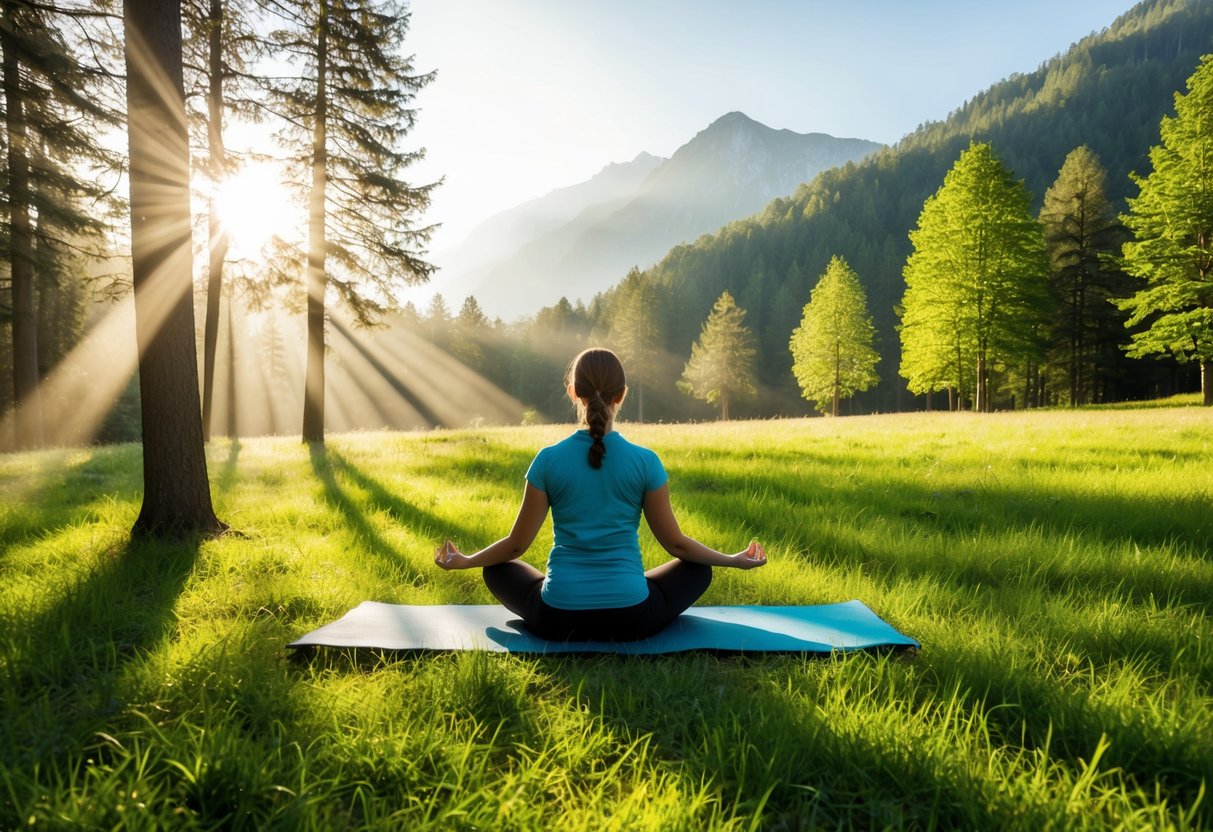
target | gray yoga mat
[{"x": 817, "y": 629}]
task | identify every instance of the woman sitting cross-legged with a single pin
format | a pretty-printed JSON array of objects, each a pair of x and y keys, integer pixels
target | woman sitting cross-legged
[{"x": 597, "y": 484}]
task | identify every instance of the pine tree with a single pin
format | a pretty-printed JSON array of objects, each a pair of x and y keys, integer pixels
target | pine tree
[
  {"x": 348, "y": 114},
  {"x": 1081, "y": 232},
  {"x": 721, "y": 367},
  {"x": 1172, "y": 222},
  {"x": 833, "y": 348},
  {"x": 176, "y": 498},
  {"x": 467, "y": 341},
  {"x": 220, "y": 40},
  {"x": 976, "y": 288},
  {"x": 55, "y": 107}
]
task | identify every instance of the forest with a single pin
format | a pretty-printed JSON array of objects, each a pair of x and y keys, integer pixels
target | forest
[{"x": 65, "y": 242}]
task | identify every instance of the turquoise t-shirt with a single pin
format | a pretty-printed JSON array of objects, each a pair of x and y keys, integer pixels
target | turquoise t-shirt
[{"x": 595, "y": 560}]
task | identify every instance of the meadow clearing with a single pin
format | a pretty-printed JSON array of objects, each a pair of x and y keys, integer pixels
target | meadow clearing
[{"x": 1056, "y": 567}]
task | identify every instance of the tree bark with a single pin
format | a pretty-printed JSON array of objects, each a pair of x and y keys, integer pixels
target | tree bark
[
  {"x": 233, "y": 428},
  {"x": 1206, "y": 383},
  {"x": 176, "y": 498},
  {"x": 218, "y": 234},
  {"x": 317, "y": 279},
  {"x": 26, "y": 397}
]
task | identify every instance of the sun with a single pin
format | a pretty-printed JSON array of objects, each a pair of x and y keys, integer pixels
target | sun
[{"x": 254, "y": 207}]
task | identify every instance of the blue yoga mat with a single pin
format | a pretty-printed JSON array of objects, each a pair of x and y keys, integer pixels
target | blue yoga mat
[{"x": 818, "y": 629}]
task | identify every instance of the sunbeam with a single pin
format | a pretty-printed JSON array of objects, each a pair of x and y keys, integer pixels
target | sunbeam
[{"x": 83, "y": 387}]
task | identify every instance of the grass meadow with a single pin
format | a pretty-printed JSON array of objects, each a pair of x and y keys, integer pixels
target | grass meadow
[{"x": 1056, "y": 567}]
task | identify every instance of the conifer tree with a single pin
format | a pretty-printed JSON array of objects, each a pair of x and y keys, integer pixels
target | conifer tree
[
  {"x": 833, "y": 348},
  {"x": 220, "y": 41},
  {"x": 348, "y": 114},
  {"x": 1081, "y": 231},
  {"x": 721, "y": 367},
  {"x": 56, "y": 105},
  {"x": 976, "y": 288},
  {"x": 471, "y": 324},
  {"x": 1172, "y": 222}
]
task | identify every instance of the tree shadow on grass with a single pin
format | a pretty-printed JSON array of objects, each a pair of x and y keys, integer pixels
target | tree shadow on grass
[
  {"x": 62, "y": 664},
  {"x": 712, "y": 721},
  {"x": 479, "y": 459},
  {"x": 331, "y": 467},
  {"x": 736, "y": 723},
  {"x": 820, "y": 520},
  {"x": 424, "y": 523},
  {"x": 63, "y": 493}
]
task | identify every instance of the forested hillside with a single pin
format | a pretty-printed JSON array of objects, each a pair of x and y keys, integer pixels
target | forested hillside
[{"x": 1108, "y": 91}]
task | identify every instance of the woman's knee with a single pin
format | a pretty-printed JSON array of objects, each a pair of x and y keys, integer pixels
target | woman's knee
[{"x": 699, "y": 574}]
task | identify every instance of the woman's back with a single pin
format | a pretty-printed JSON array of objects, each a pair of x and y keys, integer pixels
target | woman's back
[{"x": 595, "y": 560}]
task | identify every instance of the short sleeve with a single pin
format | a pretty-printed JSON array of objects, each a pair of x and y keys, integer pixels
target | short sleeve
[
  {"x": 536, "y": 475},
  {"x": 655, "y": 475}
]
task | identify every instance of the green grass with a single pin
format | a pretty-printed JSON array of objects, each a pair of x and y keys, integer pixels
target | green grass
[{"x": 1055, "y": 566}]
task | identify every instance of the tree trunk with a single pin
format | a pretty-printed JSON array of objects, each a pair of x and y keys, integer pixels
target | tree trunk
[
  {"x": 233, "y": 431},
  {"x": 317, "y": 280},
  {"x": 176, "y": 491},
  {"x": 837, "y": 379},
  {"x": 1206, "y": 382},
  {"x": 724, "y": 407},
  {"x": 218, "y": 234},
  {"x": 981, "y": 405},
  {"x": 27, "y": 401}
]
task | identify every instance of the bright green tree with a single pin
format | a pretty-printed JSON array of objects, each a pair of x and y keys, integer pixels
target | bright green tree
[
  {"x": 634, "y": 332},
  {"x": 721, "y": 367},
  {"x": 833, "y": 356},
  {"x": 1081, "y": 230},
  {"x": 1172, "y": 221},
  {"x": 976, "y": 287}
]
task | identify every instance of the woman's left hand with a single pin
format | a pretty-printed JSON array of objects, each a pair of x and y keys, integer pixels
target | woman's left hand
[{"x": 448, "y": 556}]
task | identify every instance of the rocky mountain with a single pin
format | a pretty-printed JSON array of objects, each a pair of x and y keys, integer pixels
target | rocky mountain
[{"x": 578, "y": 241}]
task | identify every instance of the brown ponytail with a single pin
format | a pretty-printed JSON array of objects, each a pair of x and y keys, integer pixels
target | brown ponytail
[{"x": 598, "y": 382}]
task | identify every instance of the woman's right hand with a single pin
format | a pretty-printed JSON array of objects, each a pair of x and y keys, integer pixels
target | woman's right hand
[{"x": 754, "y": 555}]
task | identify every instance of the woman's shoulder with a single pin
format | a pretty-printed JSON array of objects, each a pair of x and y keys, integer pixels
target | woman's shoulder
[{"x": 642, "y": 451}]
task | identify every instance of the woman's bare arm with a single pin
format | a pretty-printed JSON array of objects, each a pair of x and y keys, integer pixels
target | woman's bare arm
[
  {"x": 530, "y": 518},
  {"x": 660, "y": 516}
]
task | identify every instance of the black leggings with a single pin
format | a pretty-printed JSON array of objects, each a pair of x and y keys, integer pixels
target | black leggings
[{"x": 673, "y": 587}]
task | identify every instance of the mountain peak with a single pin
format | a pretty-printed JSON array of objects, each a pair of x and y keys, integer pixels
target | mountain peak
[{"x": 735, "y": 119}]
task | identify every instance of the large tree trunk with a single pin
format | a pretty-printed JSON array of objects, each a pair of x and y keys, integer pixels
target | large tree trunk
[
  {"x": 25, "y": 323},
  {"x": 218, "y": 234},
  {"x": 1206, "y": 382},
  {"x": 317, "y": 279},
  {"x": 176, "y": 491}
]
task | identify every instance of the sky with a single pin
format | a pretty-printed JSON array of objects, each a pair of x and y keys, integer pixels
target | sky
[{"x": 533, "y": 95}]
